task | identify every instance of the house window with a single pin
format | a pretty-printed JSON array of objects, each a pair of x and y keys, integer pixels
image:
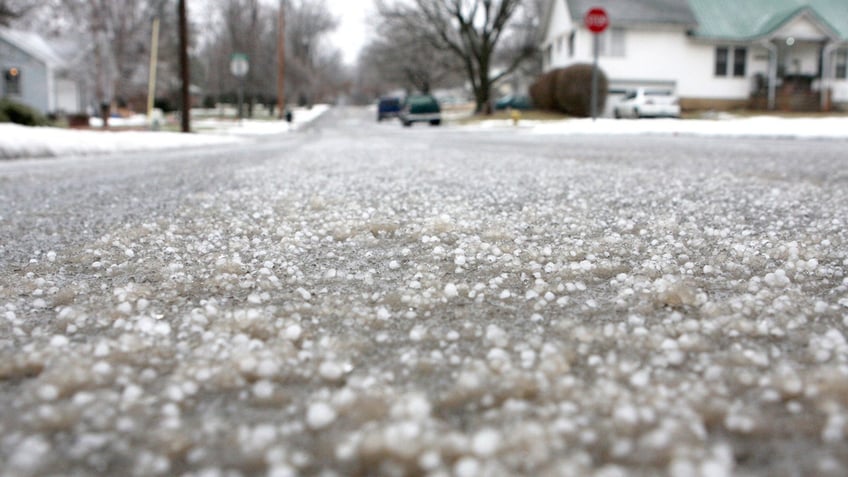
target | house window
[
  {"x": 12, "y": 81},
  {"x": 740, "y": 56},
  {"x": 611, "y": 42},
  {"x": 721, "y": 58},
  {"x": 559, "y": 44},
  {"x": 549, "y": 55},
  {"x": 731, "y": 61},
  {"x": 842, "y": 64}
]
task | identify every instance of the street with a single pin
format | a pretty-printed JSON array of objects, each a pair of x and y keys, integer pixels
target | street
[{"x": 364, "y": 299}]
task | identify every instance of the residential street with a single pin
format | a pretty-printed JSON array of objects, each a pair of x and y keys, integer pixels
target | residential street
[{"x": 358, "y": 298}]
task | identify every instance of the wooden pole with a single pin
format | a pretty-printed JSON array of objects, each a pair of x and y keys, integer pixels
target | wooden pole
[
  {"x": 154, "y": 54},
  {"x": 184, "y": 69}
]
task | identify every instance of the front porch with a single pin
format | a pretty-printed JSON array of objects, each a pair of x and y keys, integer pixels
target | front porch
[{"x": 805, "y": 58}]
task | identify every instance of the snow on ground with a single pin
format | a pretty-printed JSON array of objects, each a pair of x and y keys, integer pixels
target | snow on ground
[
  {"x": 727, "y": 126},
  {"x": 19, "y": 141}
]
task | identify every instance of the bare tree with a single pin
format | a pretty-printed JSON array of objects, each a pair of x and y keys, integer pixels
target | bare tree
[
  {"x": 11, "y": 10},
  {"x": 407, "y": 59},
  {"x": 250, "y": 27},
  {"x": 472, "y": 30}
]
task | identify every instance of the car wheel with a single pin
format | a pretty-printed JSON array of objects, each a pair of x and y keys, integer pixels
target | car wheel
[
  {"x": 636, "y": 113},
  {"x": 406, "y": 124},
  {"x": 617, "y": 113},
  {"x": 435, "y": 122}
]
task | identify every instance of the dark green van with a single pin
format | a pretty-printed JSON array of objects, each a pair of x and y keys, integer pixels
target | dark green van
[{"x": 421, "y": 108}]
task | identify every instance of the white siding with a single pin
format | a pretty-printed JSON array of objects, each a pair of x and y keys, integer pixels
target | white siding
[{"x": 560, "y": 27}]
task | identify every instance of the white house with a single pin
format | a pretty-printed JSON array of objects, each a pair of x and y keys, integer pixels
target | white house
[
  {"x": 35, "y": 75},
  {"x": 716, "y": 54}
]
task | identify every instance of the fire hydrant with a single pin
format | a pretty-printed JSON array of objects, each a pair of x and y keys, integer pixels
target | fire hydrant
[{"x": 515, "y": 115}]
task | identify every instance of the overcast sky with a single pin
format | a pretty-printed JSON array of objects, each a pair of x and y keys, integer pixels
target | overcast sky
[{"x": 353, "y": 30}]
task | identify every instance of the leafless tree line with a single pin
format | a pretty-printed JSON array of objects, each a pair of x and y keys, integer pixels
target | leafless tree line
[
  {"x": 314, "y": 70},
  {"x": 112, "y": 46},
  {"x": 422, "y": 44}
]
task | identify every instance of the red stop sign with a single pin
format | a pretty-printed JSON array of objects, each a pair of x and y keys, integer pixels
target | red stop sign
[{"x": 596, "y": 20}]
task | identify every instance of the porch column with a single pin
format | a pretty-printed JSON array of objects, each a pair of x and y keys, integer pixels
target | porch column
[
  {"x": 772, "y": 81},
  {"x": 827, "y": 73}
]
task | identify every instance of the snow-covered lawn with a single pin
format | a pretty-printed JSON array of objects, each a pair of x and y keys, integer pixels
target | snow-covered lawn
[
  {"x": 20, "y": 142},
  {"x": 727, "y": 126}
]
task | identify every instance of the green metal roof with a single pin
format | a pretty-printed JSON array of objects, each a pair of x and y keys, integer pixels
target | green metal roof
[{"x": 754, "y": 19}]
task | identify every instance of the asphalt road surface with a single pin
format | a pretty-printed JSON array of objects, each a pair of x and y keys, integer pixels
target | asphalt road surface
[{"x": 364, "y": 299}]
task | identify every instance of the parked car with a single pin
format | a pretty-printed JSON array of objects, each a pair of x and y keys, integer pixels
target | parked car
[
  {"x": 388, "y": 107},
  {"x": 421, "y": 108},
  {"x": 514, "y": 101},
  {"x": 644, "y": 103}
]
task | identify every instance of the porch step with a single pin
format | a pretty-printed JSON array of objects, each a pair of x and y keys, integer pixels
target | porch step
[{"x": 798, "y": 101}]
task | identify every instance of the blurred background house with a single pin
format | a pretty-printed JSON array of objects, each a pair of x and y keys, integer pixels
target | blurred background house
[
  {"x": 715, "y": 54},
  {"x": 36, "y": 74}
]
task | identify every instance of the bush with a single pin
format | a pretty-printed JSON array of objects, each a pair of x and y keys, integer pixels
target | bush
[
  {"x": 569, "y": 90},
  {"x": 12, "y": 112}
]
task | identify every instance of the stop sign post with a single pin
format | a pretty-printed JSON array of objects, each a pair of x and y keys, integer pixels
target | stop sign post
[{"x": 596, "y": 20}]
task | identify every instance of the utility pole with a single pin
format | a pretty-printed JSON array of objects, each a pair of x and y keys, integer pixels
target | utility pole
[
  {"x": 184, "y": 71},
  {"x": 281, "y": 62}
]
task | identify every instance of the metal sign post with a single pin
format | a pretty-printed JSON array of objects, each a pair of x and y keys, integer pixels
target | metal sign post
[
  {"x": 239, "y": 66},
  {"x": 596, "y": 21}
]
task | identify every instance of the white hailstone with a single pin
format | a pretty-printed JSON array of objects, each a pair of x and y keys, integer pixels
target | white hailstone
[
  {"x": 383, "y": 313},
  {"x": 125, "y": 308},
  {"x": 641, "y": 378},
  {"x": 59, "y": 341},
  {"x": 320, "y": 415},
  {"x": 162, "y": 328},
  {"x": 29, "y": 454},
  {"x": 626, "y": 414},
  {"x": 51, "y": 256},
  {"x": 254, "y": 299},
  {"x": 418, "y": 333},
  {"x": 132, "y": 393},
  {"x": 281, "y": 470},
  {"x": 101, "y": 350},
  {"x": 417, "y": 406},
  {"x": 430, "y": 460},
  {"x": 267, "y": 368},
  {"x": 496, "y": 336},
  {"x": 263, "y": 389},
  {"x": 505, "y": 294},
  {"x": 330, "y": 371},
  {"x": 39, "y": 303},
  {"x": 129, "y": 253},
  {"x": 304, "y": 294},
  {"x": 451, "y": 291},
  {"x": 486, "y": 442},
  {"x": 459, "y": 260},
  {"x": 48, "y": 392},
  {"x": 394, "y": 265},
  {"x": 466, "y": 467},
  {"x": 102, "y": 367},
  {"x": 142, "y": 304},
  {"x": 293, "y": 332},
  {"x": 778, "y": 279}
]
